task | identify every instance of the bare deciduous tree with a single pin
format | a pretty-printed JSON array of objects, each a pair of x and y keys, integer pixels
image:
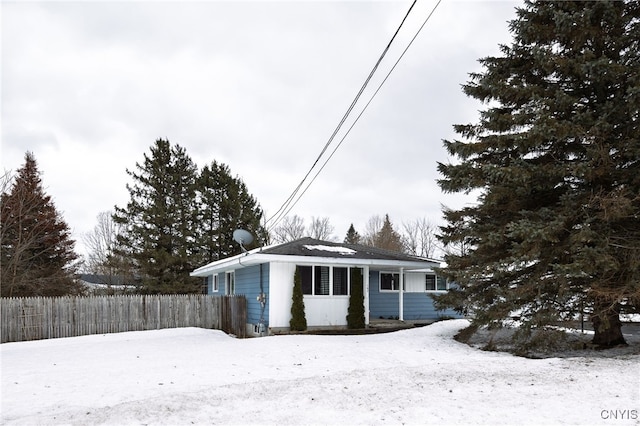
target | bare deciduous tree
[
  {"x": 103, "y": 259},
  {"x": 371, "y": 230},
  {"x": 100, "y": 242},
  {"x": 321, "y": 229},
  {"x": 419, "y": 237},
  {"x": 291, "y": 228}
]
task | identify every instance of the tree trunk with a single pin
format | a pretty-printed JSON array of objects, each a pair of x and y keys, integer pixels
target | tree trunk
[{"x": 607, "y": 326}]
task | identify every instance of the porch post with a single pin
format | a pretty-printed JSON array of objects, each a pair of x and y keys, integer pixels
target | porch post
[
  {"x": 365, "y": 288},
  {"x": 401, "y": 296}
]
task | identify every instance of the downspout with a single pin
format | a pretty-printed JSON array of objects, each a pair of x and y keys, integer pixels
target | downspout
[{"x": 401, "y": 296}]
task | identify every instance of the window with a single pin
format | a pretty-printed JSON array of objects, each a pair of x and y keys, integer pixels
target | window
[
  {"x": 231, "y": 283},
  {"x": 340, "y": 281},
  {"x": 324, "y": 280},
  {"x": 431, "y": 282},
  {"x": 214, "y": 286},
  {"x": 321, "y": 280},
  {"x": 306, "y": 277},
  {"x": 442, "y": 284},
  {"x": 389, "y": 281},
  {"x": 435, "y": 283}
]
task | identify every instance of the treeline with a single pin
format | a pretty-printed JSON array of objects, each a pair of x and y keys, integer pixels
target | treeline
[
  {"x": 417, "y": 237},
  {"x": 178, "y": 217}
]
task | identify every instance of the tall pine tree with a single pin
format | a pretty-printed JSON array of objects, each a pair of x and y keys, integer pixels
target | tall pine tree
[
  {"x": 38, "y": 257},
  {"x": 352, "y": 236},
  {"x": 159, "y": 222},
  {"x": 387, "y": 238},
  {"x": 555, "y": 158},
  {"x": 224, "y": 205}
]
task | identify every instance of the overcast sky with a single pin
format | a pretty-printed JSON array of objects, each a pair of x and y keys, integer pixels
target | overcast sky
[{"x": 260, "y": 86}]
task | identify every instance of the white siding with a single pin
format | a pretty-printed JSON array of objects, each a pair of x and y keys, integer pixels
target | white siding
[
  {"x": 415, "y": 282},
  {"x": 326, "y": 310},
  {"x": 319, "y": 310},
  {"x": 280, "y": 293}
]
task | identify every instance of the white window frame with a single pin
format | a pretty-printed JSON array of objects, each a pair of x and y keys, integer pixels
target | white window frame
[
  {"x": 313, "y": 281},
  {"x": 404, "y": 285},
  {"x": 437, "y": 290},
  {"x": 214, "y": 284},
  {"x": 332, "y": 275}
]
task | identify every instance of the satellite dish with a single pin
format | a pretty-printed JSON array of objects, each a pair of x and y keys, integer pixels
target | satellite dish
[{"x": 242, "y": 236}]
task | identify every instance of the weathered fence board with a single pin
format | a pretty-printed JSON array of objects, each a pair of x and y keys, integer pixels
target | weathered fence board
[{"x": 34, "y": 318}]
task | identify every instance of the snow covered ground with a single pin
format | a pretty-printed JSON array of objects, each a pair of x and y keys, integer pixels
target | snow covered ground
[{"x": 417, "y": 376}]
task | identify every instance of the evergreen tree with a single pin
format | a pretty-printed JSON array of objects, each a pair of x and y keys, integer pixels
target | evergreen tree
[
  {"x": 555, "y": 157},
  {"x": 298, "y": 321},
  {"x": 387, "y": 238},
  {"x": 352, "y": 236},
  {"x": 159, "y": 222},
  {"x": 38, "y": 257},
  {"x": 355, "y": 312},
  {"x": 224, "y": 205}
]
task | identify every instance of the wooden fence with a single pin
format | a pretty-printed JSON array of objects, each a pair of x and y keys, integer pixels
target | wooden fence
[{"x": 33, "y": 318}]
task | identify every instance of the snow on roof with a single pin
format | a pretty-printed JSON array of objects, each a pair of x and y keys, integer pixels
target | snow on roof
[{"x": 333, "y": 249}]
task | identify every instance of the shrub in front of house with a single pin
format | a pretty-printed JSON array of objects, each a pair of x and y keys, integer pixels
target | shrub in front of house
[
  {"x": 298, "y": 321},
  {"x": 355, "y": 316}
]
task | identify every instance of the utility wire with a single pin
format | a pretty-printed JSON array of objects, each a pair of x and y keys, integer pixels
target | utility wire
[
  {"x": 361, "y": 112},
  {"x": 280, "y": 213},
  {"x": 288, "y": 205}
]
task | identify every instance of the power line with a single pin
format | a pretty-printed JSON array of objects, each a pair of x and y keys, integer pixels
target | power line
[
  {"x": 285, "y": 207},
  {"x": 280, "y": 213},
  {"x": 363, "y": 110},
  {"x": 293, "y": 199}
]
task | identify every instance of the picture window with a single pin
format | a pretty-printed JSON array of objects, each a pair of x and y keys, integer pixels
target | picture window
[
  {"x": 324, "y": 280},
  {"x": 390, "y": 281}
]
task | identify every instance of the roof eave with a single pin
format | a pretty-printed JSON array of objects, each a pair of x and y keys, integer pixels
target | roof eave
[{"x": 256, "y": 258}]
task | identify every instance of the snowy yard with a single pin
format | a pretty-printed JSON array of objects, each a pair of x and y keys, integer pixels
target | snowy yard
[{"x": 416, "y": 376}]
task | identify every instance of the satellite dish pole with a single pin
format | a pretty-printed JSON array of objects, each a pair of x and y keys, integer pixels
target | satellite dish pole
[{"x": 242, "y": 236}]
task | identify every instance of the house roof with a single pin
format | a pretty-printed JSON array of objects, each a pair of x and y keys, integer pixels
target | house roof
[
  {"x": 102, "y": 279},
  {"x": 318, "y": 248},
  {"x": 313, "y": 251}
]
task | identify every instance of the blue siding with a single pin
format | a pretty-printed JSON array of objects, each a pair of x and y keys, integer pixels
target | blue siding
[
  {"x": 248, "y": 283},
  {"x": 417, "y": 306},
  {"x": 381, "y": 304},
  {"x": 220, "y": 290}
]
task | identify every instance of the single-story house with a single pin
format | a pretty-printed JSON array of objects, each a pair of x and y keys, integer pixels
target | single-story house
[{"x": 265, "y": 276}]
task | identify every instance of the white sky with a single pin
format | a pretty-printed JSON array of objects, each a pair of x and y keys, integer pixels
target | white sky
[{"x": 260, "y": 86}]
